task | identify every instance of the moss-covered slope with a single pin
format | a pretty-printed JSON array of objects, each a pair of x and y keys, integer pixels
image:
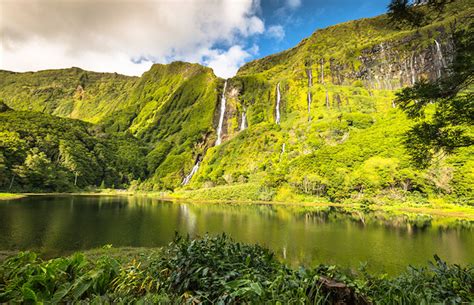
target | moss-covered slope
[
  {"x": 171, "y": 108},
  {"x": 340, "y": 136}
]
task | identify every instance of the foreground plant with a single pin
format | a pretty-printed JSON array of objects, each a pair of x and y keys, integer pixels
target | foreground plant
[{"x": 219, "y": 270}]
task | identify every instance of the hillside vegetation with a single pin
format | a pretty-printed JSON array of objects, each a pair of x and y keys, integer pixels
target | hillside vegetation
[{"x": 340, "y": 137}]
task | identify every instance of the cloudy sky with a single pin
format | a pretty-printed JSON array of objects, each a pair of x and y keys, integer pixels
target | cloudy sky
[{"x": 127, "y": 36}]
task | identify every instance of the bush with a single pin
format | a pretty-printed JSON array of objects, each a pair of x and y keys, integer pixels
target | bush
[{"x": 219, "y": 270}]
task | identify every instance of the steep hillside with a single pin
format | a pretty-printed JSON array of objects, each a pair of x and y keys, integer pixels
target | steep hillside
[
  {"x": 317, "y": 120},
  {"x": 335, "y": 132},
  {"x": 72, "y": 93},
  {"x": 171, "y": 108}
]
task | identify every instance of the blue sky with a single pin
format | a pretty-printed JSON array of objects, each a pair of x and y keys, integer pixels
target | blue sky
[
  {"x": 301, "y": 21},
  {"x": 128, "y": 36}
]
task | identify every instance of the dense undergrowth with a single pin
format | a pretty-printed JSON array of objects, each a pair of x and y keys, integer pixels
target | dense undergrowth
[{"x": 219, "y": 270}]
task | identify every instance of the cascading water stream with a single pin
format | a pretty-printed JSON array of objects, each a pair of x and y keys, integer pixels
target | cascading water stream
[
  {"x": 221, "y": 116},
  {"x": 327, "y": 99},
  {"x": 191, "y": 174},
  {"x": 283, "y": 147},
  {"x": 243, "y": 123},
  {"x": 322, "y": 71},
  {"x": 277, "y": 115},
  {"x": 310, "y": 84},
  {"x": 441, "y": 61},
  {"x": 412, "y": 68}
]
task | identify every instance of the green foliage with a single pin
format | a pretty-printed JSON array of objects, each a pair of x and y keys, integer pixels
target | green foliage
[
  {"x": 450, "y": 126},
  {"x": 45, "y": 153},
  {"x": 408, "y": 13},
  {"x": 71, "y": 92},
  {"x": 346, "y": 145},
  {"x": 439, "y": 282},
  {"x": 218, "y": 270}
]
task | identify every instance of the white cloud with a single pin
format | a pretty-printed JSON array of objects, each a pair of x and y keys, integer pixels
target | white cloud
[
  {"x": 276, "y": 31},
  {"x": 293, "y": 3},
  {"x": 105, "y": 35},
  {"x": 227, "y": 63}
]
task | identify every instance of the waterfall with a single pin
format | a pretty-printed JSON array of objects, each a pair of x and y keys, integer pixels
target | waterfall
[
  {"x": 412, "y": 68},
  {"x": 310, "y": 84},
  {"x": 243, "y": 123},
  {"x": 191, "y": 174},
  {"x": 277, "y": 115},
  {"x": 310, "y": 77},
  {"x": 309, "y": 101},
  {"x": 322, "y": 71},
  {"x": 441, "y": 61},
  {"x": 327, "y": 99},
  {"x": 221, "y": 117},
  {"x": 282, "y": 150}
]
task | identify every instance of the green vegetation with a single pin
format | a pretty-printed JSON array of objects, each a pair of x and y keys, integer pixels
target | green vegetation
[
  {"x": 450, "y": 126},
  {"x": 10, "y": 196},
  {"x": 218, "y": 270},
  {"x": 160, "y": 123},
  {"x": 346, "y": 146},
  {"x": 73, "y": 93},
  {"x": 45, "y": 153}
]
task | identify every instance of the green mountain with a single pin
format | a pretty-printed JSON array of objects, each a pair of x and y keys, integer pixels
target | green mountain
[{"x": 317, "y": 120}]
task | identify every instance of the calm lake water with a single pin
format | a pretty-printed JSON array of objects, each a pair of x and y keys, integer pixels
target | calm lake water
[{"x": 57, "y": 225}]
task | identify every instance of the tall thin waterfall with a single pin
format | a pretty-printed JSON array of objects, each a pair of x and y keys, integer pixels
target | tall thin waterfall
[
  {"x": 322, "y": 71},
  {"x": 310, "y": 98},
  {"x": 310, "y": 78},
  {"x": 441, "y": 61},
  {"x": 283, "y": 147},
  {"x": 191, "y": 174},
  {"x": 243, "y": 123},
  {"x": 310, "y": 84},
  {"x": 277, "y": 108},
  {"x": 327, "y": 99},
  {"x": 221, "y": 117},
  {"x": 412, "y": 68}
]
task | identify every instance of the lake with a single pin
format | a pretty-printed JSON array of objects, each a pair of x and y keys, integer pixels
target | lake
[{"x": 57, "y": 225}]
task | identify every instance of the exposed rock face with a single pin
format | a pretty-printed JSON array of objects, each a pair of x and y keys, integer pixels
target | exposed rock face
[
  {"x": 392, "y": 65},
  {"x": 79, "y": 94}
]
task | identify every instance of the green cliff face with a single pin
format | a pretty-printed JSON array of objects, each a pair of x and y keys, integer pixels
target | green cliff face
[
  {"x": 72, "y": 93},
  {"x": 339, "y": 135},
  {"x": 170, "y": 109}
]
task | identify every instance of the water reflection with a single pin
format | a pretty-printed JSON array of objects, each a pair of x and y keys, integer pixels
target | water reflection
[{"x": 301, "y": 235}]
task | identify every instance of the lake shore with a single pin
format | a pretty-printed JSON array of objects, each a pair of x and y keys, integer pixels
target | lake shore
[
  {"x": 11, "y": 196},
  {"x": 445, "y": 212}
]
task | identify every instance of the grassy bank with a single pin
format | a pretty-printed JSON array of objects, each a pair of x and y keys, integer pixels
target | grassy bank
[
  {"x": 410, "y": 208},
  {"x": 219, "y": 270},
  {"x": 10, "y": 196},
  {"x": 381, "y": 208}
]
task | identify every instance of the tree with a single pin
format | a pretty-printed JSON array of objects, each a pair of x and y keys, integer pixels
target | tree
[
  {"x": 402, "y": 12},
  {"x": 40, "y": 173}
]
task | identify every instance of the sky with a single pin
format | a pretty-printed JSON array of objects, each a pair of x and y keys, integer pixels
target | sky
[{"x": 128, "y": 36}]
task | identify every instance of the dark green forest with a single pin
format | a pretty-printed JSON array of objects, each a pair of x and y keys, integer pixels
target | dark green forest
[{"x": 45, "y": 153}]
